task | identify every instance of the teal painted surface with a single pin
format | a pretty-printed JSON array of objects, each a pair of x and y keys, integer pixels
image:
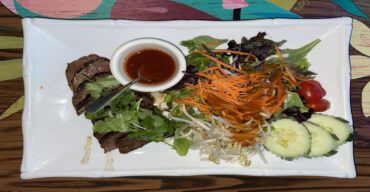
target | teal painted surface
[
  {"x": 102, "y": 12},
  {"x": 350, "y": 7},
  {"x": 260, "y": 9},
  {"x": 211, "y": 7},
  {"x": 257, "y": 9}
]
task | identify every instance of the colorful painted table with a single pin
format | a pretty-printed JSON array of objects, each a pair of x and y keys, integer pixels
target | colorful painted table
[{"x": 11, "y": 87}]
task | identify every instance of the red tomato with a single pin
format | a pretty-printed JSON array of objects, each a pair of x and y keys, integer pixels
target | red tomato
[
  {"x": 318, "y": 105},
  {"x": 311, "y": 90}
]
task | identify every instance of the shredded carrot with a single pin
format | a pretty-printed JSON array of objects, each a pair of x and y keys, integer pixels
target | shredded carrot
[
  {"x": 218, "y": 62},
  {"x": 233, "y": 52},
  {"x": 301, "y": 78},
  {"x": 282, "y": 63},
  {"x": 290, "y": 74},
  {"x": 240, "y": 98},
  {"x": 210, "y": 69},
  {"x": 287, "y": 70}
]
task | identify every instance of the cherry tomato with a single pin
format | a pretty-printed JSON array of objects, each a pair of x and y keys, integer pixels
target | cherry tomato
[
  {"x": 318, "y": 105},
  {"x": 311, "y": 90}
]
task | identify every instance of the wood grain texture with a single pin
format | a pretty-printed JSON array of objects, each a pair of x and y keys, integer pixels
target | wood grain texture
[{"x": 11, "y": 145}]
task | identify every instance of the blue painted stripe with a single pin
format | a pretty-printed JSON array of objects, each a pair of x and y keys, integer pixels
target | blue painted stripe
[{"x": 349, "y": 6}]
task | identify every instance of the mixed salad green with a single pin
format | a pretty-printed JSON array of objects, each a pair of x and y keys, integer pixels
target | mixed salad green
[{"x": 231, "y": 104}]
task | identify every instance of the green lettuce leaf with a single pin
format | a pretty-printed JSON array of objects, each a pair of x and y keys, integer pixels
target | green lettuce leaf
[
  {"x": 125, "y": 115},
  {"x": 295, "y": 57},
  {"x": 197, "y": 42},
  {"x": 176, "y": 94},
  {"x": 294, "y": 99},
  {"x": 155, "y": 127},
  {"x": 198, "y": 60},
  {"x": 182, "y": 145},
  {"x": 97, "y": 89},
  {"x": 121, "y": 122}
]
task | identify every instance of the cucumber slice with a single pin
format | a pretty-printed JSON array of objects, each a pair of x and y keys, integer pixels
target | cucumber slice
[
  {"x": 322, "y": 142},
  {"x": 340, "y": 128},
  {"x": 288, "y": 139}
]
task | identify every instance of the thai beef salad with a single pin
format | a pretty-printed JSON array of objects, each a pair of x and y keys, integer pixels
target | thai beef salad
[{"x": 231, "y": 104}]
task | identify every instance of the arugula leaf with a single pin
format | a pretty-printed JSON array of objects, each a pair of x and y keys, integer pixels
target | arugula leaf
[
  {"x": 123, "y": 115},
  {"x": 155, "y": 129},
  {"x": 158, "y": 121},
  {"x": 295, "y": 57},
  {"x": 198, "y": 60},
  {"x": 144, "y": 113},
  {"x": 182, "y": 145},
  {"x": 148, "y": 122},
  {"x": 197, "y": 42},
  {"x": 96, "y": 89},
  {"x": 127, "y": 101},
  {"x": 302, "y": 64},
  {"x": 155, "y": 126},
  {"x": 119, "y": 123},
  {"x": 197, "y": 114},
  {"x": 176, "y": 111},
  {"x": 98, "y": 115},
  {"x": 294, "y": 99},
  {"x": 176, "y": 94}
]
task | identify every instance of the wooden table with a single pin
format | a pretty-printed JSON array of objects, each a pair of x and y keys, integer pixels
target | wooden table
[{"x": 11, "y": 143}]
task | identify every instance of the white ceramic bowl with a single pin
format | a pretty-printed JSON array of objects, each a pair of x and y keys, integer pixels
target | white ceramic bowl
[{"x": 120, "y": 55}]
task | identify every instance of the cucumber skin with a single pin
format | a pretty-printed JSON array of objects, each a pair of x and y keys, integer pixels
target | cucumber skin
[
  {"x": 335, "y": 117},
  {"x": 329, "y": 153},
  {"x": 351, "y": 132},
  {"x": 287, "y": 158},
  {"x": 339, "y": 118},
  {"x": 350, "y": 137}
]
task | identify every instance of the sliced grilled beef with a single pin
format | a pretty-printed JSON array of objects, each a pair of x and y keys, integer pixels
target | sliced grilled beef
[
  {"x": 98, "y": 67},
  {"x": 114, "y": 140},
  {"x": 108, "y": 141},
  {"x": 126, "y": 145},
  {"x": 93, "y": 67},
  {"x": 78, "y": 72},
  {"x": 81, "y": 97},
  {"x": 98, "y": 136},
  {"x": 80, "y": 100},
  {"x": 74, "y": 67}
]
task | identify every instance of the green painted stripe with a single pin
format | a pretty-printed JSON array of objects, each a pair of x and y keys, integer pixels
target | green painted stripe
[
  {"x": 8, "y": 42},
  {"x": 10, "y": 69},
  {"x": 13, "y": 108}
]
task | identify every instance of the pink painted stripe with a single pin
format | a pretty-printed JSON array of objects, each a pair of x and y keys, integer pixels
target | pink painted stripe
[
  {"x": 60, "y": 8},
  {"x": 234, "y": 4}
]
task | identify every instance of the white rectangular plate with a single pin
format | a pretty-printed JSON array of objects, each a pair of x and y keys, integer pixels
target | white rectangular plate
[{"x": 54, "y": 136}]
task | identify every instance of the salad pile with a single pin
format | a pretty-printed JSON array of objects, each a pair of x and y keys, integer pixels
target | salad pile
[{"x": 231, "y": 104}]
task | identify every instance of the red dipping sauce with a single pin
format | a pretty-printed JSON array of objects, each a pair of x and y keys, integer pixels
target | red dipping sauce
[{"x": 155, "y": 66}]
